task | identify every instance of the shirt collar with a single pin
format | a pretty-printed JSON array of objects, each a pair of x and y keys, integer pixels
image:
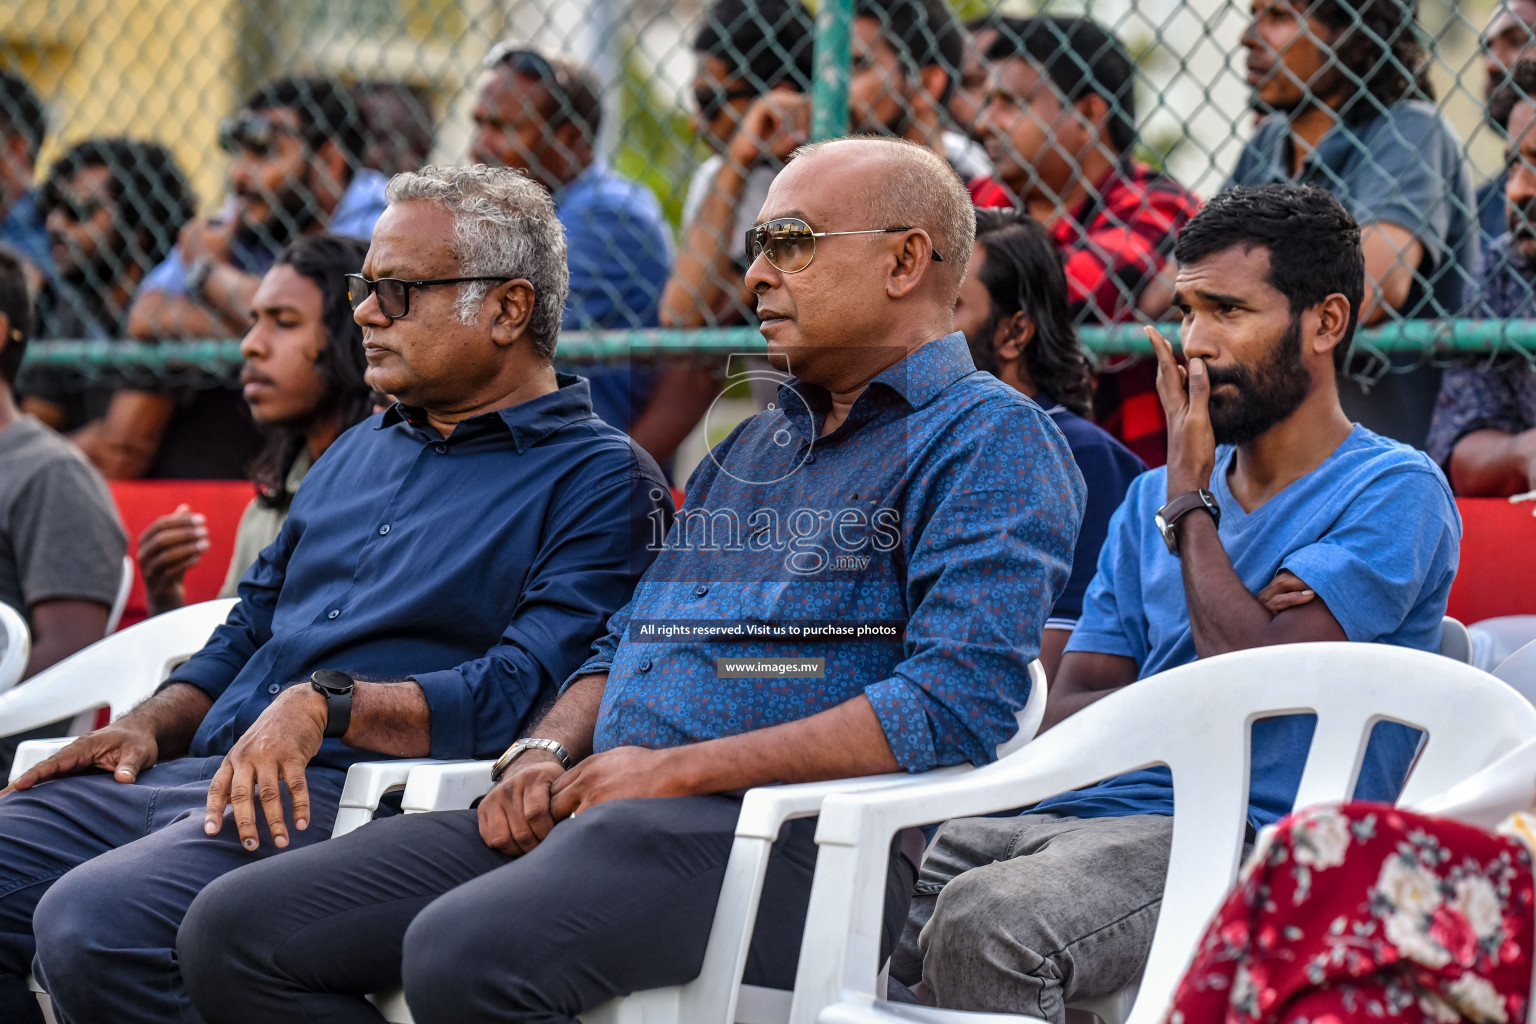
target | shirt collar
[
  {"x": 528, "y": 422},
  {"x": 918, "y": 379},
  {"x": 590, "y": 175},
  {"x": 366, "y": 184}
]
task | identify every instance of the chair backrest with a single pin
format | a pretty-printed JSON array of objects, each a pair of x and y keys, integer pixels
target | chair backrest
[
  {"x": 1197, "y": 719},
  {"x": 1455, "y": 640},
  {"x": 1494, "y": 640},
  {"x": 116, "y": 672},
  {"x": 15, "y": 646},
  {"x": 120, "y": 602},
  {"x": 1519, "y": 671}
]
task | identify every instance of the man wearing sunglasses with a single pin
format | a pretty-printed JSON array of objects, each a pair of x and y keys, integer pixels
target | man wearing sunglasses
[
  {"x": 295, "y": 168},
  {"x": 593, "y": 867},
  {"x": 445, "y": 564},
  {"x": 113, "y": 207},
  {"x": 541, "y": 115}
]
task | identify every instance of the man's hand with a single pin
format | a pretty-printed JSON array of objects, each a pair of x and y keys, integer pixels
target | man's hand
[
  {"x": 774, "y": 126},
  {"x": 124, "y": 748},
  {"x": 201, "y": 238},
  {"x": 1286, "y": 590},
  {"x": 275, "y": 750},
  {"x": 623, "y": 773},
  {"x": 168, "y": 547},
  {"x": 515, "y": 815},
  {"x": 1186, "y": 396}
]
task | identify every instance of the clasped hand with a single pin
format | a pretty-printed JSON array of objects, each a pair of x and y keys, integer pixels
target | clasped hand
[
  {"x": 536, "y": 793},
  {"x": 275, "y": 750}
]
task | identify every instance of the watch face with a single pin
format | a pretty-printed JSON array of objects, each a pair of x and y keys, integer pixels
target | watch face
[{"x": 332, "y": 680}]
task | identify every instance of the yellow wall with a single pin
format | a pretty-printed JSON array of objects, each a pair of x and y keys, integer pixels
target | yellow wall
[{"x": 165, "y": 70}]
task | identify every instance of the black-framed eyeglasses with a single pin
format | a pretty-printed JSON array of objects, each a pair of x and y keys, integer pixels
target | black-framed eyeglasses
[
  {"x": 254, "y": 131},
  {"x": 789, "y": 244},
  {"x": 394, "y": 294},
  {"x": 711, "y": 99}
]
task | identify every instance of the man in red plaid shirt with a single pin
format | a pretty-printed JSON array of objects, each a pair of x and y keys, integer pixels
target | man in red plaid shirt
[{"x": 1060, "y": 125}]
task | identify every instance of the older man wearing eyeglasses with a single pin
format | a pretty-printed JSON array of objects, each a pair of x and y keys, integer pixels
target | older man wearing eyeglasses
[
  {"x": 856, "y": 585},
  {"x": 447, "y": 563}
]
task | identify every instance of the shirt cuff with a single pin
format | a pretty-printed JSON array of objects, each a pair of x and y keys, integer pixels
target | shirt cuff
[
  {"x": 452, "y": 710},
  {"x": 905, "y": 722},
  {"x": 597, "y": 664},
  {"x": 212, "y": 678}
]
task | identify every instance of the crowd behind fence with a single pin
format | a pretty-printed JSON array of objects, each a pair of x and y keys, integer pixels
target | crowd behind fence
[{"x": 159, "y": 153}]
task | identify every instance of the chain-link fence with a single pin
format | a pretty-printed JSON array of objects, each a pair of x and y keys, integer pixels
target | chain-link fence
[{"x": 157, "y": 154}]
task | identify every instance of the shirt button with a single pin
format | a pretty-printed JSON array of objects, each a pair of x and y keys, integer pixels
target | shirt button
[
  {"x": 383, "y": 530},
  {"x": 645, "y": 666},
  {"x": 440, "y": 448},
  {"x": 810, "y": 458},
  {"x": 274, "y": 687},
  {"x": 700, "y": 590},
  {"x": 333, "y": 613}
]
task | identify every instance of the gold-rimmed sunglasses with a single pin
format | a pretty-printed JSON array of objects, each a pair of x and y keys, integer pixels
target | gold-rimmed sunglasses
[{"x": 789, "y": 244}]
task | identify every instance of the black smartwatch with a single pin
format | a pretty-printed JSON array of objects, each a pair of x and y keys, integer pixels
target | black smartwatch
[{"x": 336, "y": 688}]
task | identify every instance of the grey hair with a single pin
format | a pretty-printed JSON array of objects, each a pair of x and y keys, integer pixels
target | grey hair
[
  {"x": 504, "y": 225},
  {"x": 921, "y": 190}
]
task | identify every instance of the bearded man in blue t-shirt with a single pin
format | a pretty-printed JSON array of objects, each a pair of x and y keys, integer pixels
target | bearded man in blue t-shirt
[{"x": 1276, "y": 520}]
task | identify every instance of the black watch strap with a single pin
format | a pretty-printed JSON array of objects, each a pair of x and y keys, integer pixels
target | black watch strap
[{"x": 336, "y": 688}]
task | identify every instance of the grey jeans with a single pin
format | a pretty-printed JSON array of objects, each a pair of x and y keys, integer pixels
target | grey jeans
[{"x": 1026, "y": 914}]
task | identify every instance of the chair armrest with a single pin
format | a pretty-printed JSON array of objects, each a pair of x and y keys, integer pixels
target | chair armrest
[
  {"x": 30, "y": 752},
  {"x": 446, "y": 786},
  {"x": 367, "y": 784},
  {"x": 764, "y": 810}
]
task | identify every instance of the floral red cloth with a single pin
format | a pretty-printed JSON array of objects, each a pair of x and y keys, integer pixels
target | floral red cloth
[{"x": 1368, "y": 913}]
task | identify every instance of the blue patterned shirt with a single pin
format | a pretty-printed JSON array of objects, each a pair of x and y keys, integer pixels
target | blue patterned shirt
[
  {"x": 1481, "y": 397},
  {"x": 941, "y": 514}
]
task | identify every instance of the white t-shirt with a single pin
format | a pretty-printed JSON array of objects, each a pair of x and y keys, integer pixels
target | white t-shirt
[{"x": 752, "y": 197}]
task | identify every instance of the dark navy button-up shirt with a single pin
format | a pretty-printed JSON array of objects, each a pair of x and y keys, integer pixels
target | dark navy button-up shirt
[
  {"x": 942, "y": 514},
  {"x": 509, "y": 545}
]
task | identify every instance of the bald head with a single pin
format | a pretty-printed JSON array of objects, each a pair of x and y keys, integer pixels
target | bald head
[{"x": 903, "y": 184}]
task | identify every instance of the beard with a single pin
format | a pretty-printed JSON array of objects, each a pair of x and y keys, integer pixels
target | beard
[
  {"x": 291, "y": 212},
  {"x": 983, "y": 349},
  {"x": 1265, "y": 394},
  {"x": 1522, "y": 229}
]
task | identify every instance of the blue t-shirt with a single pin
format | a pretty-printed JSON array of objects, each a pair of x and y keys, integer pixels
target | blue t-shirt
[
  {"x": 1373, "y": 530},
  {"x": 24, "y": 230},
  {"x": 619, "y": 249},
  {"x": 1108, "y": 467}
]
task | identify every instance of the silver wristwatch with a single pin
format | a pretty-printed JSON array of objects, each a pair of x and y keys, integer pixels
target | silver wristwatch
[{"x": 515, "y": 750}]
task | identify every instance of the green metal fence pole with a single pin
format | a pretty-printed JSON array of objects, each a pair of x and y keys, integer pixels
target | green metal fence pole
[
  {"x": 834, "y": 54},
  {"x": 1438, "y": 337}
]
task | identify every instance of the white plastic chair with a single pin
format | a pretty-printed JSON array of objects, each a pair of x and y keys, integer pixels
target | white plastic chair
[
  {"x": 1519, "y": 671},
  {"x": 1197, "y": 720},
  {"x": 1494, "y": 640},
  {"x": 717, "y": 996},
  {"x": 120, "y": 602},
  {"x": 1455, "y": 640},
  {"x": 15, "y": 646},
  {"x": 116, "y": 673}
]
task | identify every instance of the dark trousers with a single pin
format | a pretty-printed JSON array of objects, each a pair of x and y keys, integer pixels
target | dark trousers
[
  {"x": 95, "y": 876},
  {"x": 616, "y": 900}
]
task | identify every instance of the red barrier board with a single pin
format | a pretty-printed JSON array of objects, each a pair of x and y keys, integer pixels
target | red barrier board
[
  {"x": 221, "y": 502},
  {"x": 1498, "y": 560}
]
